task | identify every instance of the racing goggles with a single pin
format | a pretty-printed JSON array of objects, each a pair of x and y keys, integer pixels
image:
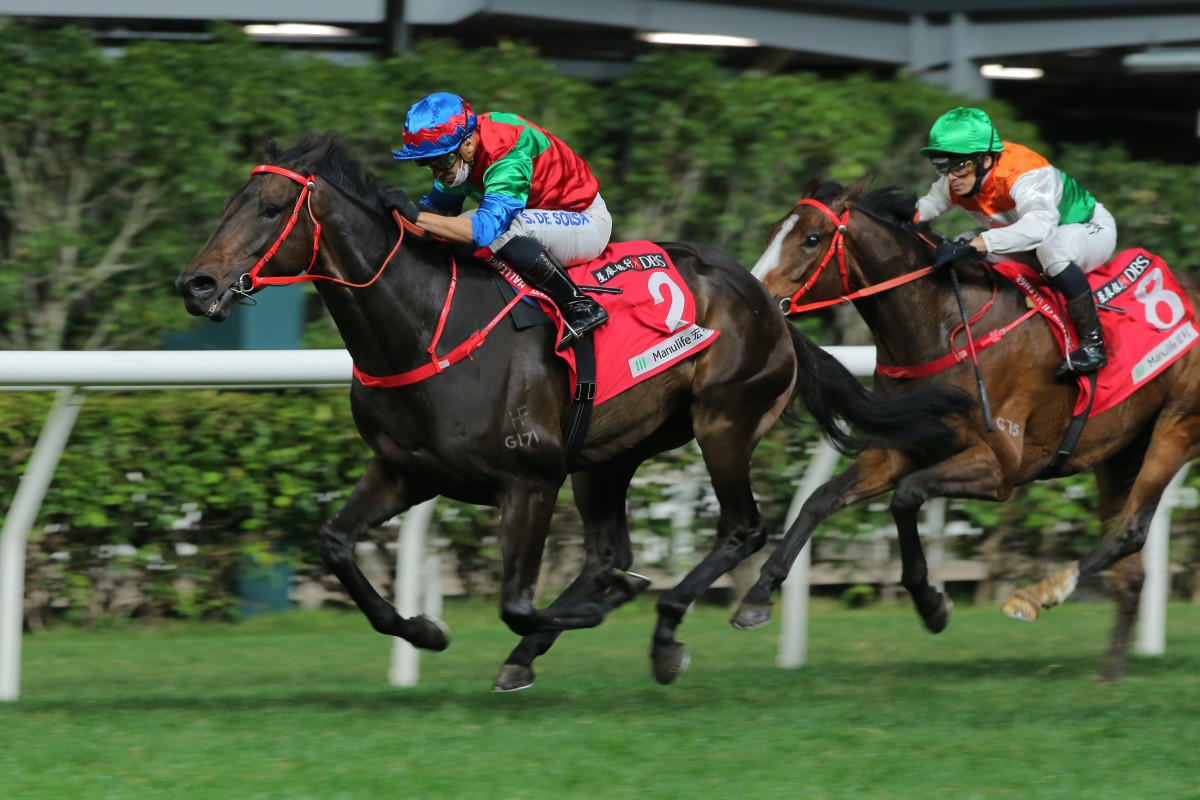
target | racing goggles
[
  {"x": 444, "y": 161},
  {"x": 957, "y": 166}
]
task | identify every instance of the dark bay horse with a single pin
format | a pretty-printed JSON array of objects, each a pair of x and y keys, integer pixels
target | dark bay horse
[
  {"x": 1134, "y": 448},
  {"x": 488, "y": 429}
]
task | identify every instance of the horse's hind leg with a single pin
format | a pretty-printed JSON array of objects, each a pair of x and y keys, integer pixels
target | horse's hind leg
[
  {"x": 727, "y": 442},
  {"x": 377, "y": 497},
  {"x": 1114, "y": 481},
  {"x": 1128, "y": 575},
  {"x": 600, "y": 497},
  {"x": 1172, "y": 446}
]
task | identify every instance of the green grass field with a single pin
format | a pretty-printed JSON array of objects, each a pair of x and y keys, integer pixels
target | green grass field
[{"x": 298, "y": 706}]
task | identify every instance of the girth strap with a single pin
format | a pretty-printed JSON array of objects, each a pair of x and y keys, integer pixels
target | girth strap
[
  {"x": 579, "y": 413},
  {"x": 1074, "y": 431}
]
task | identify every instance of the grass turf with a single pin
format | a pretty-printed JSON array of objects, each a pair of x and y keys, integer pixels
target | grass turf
[{"x": 297, "y": 706}]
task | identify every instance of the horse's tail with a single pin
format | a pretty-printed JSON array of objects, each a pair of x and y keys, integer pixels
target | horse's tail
[{"x": 853, "y": 418}]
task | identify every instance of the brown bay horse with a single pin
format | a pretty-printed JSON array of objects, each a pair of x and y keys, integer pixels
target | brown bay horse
[
  {"x": 1134, "y": 448},
  {"x": 488, "y": 429}
]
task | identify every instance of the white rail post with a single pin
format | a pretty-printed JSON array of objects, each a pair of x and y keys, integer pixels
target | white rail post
[
  {"x": 15, "y": 534},
  {"x": 1152, "y": 606},
  {"x": 935, "y": 536},
  {"x": 410, "y": 557},
  {"x": 793, "y": 636}
]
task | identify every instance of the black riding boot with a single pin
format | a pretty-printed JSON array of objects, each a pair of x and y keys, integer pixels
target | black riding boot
[
  {"x": 580, "y": 313},
  {"x": 1090, "y": 355}
]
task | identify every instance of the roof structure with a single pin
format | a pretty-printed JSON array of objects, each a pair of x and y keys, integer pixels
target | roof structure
[{"x": 1087, "y": 50}]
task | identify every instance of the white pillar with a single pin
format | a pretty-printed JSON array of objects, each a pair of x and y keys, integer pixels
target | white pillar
[
  {"x": 432, "y": 586},
  {"x": 793, "y": 636},
  {"x": 21, "y": 516},
  {"x": 935, "y": 537},
  {"x": 405, "y": 667},
  {"x": 1152, "y": 609},
  {"x": 964, "y": 72},
  {"x": 684, "y": 497}
]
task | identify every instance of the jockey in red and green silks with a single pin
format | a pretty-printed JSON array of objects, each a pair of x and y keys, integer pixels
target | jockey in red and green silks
[
  {"x": 521, "y": 171},
  {"x": 1026, "y": 204},
  {"x": 539, "y": 206}
]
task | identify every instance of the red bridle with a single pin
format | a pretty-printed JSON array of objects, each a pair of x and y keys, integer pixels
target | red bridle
[
  {"x": 436, "y": 363},
  {"x": 838, "y": 245},
  {"x": 252, "y": 280}
]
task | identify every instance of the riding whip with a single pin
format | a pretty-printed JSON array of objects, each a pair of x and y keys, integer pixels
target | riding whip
[{"x": 962, "y": 310}]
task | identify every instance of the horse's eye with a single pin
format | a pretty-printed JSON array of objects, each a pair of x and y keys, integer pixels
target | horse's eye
[
  {"x": 813, "y": 240},
  {"x": 271, "y": 211}
]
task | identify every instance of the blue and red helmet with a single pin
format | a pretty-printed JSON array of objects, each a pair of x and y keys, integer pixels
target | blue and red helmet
[{"x": 435, "y": 126}]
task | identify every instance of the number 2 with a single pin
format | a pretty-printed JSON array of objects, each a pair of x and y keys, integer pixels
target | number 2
[{"x": 657, "y": 281}]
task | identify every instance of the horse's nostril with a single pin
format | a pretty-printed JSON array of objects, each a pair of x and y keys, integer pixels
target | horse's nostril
[{"x": 200, "y": 286}]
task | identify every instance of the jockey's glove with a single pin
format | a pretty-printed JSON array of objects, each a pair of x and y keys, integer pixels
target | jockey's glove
[
  {"x": 951, "y": 250},
  {"x": 398, "y": 199}
]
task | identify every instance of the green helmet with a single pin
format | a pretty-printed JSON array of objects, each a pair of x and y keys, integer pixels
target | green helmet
[{"x": 963, "y": 131}]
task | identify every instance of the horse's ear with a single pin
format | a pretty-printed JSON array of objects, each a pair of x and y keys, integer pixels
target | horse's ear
[
  {"x": 811, "y": 187},
  {"x": 272, "y": 151},
  {"x": 851, "y": 193}
]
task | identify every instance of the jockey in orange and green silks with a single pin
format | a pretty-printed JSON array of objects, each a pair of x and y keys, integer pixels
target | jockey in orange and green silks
[
  {"x": 1026, "y": 204},
  {"x": 539, "y": 206}
]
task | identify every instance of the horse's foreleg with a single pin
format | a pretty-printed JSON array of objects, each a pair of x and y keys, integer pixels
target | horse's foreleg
[
  {"x": 974, "y": 473},
  {"x": 600, "y": 496},
  {"x": 931, "y": 604},
  {"x": 871, "y": 475},
  {"x": 377, "y": 497},
  {"x": 525, "y": 511},
  {"x": 1170, "y": 448}
]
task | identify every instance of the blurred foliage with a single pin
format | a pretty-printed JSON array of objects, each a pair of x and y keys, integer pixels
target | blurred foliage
[{"x": 114, "y": 169}]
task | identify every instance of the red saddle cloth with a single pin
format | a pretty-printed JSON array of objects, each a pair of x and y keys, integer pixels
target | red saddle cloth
[
  {"x": 651, "y": 324},
  {"x": 1157, "y": 327}
]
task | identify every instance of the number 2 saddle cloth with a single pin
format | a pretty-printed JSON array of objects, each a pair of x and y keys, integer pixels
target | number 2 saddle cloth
[{"x": 651, "y": 323}]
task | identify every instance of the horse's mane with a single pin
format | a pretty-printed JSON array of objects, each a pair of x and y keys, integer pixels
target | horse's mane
[
  {"x": 892, "y": 205},
  {"x": 326, "y": 154}
]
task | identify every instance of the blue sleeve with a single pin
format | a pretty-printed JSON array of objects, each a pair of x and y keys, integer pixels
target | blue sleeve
[
  {"x": 439, "y": 201},
  {"x": 492, "y": 218}
]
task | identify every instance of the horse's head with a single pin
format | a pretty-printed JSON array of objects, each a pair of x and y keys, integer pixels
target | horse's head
[
  {"x": 809, "y": 260},
  {"x": 804, "y": 255},
  {"x": 270, "y": 227}
]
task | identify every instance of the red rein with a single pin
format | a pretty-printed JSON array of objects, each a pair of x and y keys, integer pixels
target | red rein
[{"x": 838, "y": 245}]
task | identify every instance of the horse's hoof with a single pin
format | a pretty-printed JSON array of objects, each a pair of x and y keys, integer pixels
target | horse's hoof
[
  {"x": 939, "y": 619},
  {"x": 1021, "y": 606},
  {"x": 750, "y": 617},
  {"x": 429, "y": 633},
  {"x": 513, "y": 678},
  {"x": 669, "y": 665},
  {"x": 634, "y": 583}
]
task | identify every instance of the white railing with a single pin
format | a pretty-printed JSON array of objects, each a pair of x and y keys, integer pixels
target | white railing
[{"x": 73, "y": 374}]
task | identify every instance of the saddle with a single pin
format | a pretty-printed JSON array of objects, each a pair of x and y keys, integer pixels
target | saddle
[{"x": 652, "y": 321}]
